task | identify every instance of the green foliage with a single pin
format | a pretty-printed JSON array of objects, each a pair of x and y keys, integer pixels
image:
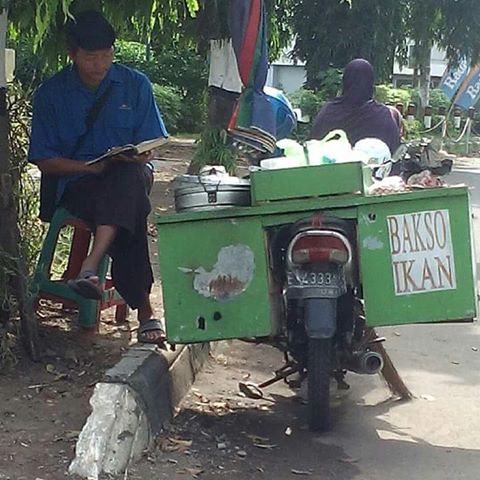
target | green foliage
[
  {"x": 29, "y": 67},
  {"x": 279, "y": 27},
  {"x": 438, "y": 99},
  {"x": 181, "y": 71},
  {"x": 25, "y": 185},
  {"x": 331, "y": 33},
  {"x": 43, "y": 21},
  {"x": 7, "y": 302},
  {"x": 169, "y": 101},
  {"x": 451, "y": 24},
  {"x": 215, "y": 148},
  {"x": 31, "y": 231},
  {"x": 62, "y": 252},
  {"x": 180, "y": 22},
  {"x": 389, "y": 94},
  {"x": 412, "y": 129},
  {"x": 311, "y": 100},
  {"x": 134, "y": 54},
  {"x": 8, "y": 357},
  {"x": 330, "y": 82},
  {"x": 308, "y": 101}
]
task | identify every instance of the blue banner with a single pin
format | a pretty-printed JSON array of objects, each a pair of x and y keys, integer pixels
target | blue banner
[
  {"x": 469, "y": 93},
  {"x": 453, "y": 78}
]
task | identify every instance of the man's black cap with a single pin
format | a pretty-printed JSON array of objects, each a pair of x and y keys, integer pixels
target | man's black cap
[{"x": 90, "y": 30}]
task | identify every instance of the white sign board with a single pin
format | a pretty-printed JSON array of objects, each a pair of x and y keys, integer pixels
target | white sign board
[{"x": 422, "y": 253}]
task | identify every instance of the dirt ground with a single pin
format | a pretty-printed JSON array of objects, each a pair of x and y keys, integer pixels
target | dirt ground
[
  {"x": 44, "y": 405},
  {"x": 220, "y": 434}
]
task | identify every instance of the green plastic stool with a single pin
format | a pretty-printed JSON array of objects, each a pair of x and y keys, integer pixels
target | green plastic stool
[{"x": 57, "y": 290}]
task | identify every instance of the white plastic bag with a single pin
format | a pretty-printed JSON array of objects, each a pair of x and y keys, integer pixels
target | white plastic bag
[
  {"x": 293, "y": 150},
  {"x": 375, "y": 150},
  {"x": 333, "y": 148}
]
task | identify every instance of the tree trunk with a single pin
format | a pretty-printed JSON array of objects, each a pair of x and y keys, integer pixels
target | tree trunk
[
  {"x": 9, "y": 233},
  {"x": 424, "y": 58},
  {"x": 415, "y": 77}
]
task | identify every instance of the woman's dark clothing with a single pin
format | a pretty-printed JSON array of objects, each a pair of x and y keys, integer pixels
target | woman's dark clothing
[
  {"x": 118, "y": 197},
  {"x": 356, "y": 112}
]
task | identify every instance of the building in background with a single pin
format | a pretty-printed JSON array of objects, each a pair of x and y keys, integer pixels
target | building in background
[
  {"x": 290, "y": 75},
  {"x": 286, "y": 74},
  {"x": 438, "y": 65}
]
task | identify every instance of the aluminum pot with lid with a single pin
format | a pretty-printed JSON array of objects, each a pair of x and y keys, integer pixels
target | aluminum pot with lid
[{"x": 212, "y": 189}]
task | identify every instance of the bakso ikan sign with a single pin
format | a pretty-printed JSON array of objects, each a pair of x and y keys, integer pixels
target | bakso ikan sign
[{"x": 422, "y": 254}]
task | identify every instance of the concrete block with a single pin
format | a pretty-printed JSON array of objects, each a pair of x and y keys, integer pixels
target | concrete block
[{"x": 130, "y": 407}]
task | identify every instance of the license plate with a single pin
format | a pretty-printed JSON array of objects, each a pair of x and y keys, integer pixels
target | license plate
[
  {"x": 326, "y": 284},
  {"x": 299, "y": 278}
]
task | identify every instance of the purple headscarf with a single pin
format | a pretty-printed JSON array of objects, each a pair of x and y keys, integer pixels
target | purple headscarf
[{"x": 356, "y": 112}]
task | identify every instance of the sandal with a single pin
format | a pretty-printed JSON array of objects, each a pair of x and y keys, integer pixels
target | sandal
[
  {"x": 152, "y": 325},
  {"x": 86, "y": 285}
]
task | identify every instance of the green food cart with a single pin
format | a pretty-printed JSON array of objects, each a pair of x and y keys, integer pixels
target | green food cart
[{"x": 414, "y": 249}]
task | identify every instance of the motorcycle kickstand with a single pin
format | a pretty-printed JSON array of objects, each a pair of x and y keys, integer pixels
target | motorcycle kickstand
[{"x": 254, "y": 391}]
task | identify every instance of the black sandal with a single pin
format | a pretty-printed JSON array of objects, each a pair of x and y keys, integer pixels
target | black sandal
[
  {"x": 151, "y": 325},
  {"x": 84, "y": 286}
]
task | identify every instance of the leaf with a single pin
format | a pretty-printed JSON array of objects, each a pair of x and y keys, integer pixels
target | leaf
[
  {"x": 72, "y": 434},
  {"x": 180, "y": 442},
  {"x": 50, "y": 368},
  {"x": 193, "y": 7},
  {"x": 173, "y": 444},
  {"x": 264, "y": 446},
  {"x": 348, "y": 460},
  {"x": 194, "y": 472},
  {"x": 429, "y": 398},
  {"x": 257, "y": 439},
  {"x": 300, "y": 472}
]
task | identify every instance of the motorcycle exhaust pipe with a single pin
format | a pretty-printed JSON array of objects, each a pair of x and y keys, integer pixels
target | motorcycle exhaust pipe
[{"x": 366, "y": 363}]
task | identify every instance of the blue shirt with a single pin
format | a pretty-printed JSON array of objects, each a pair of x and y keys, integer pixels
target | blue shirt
[{"x": 62, "y": 103}]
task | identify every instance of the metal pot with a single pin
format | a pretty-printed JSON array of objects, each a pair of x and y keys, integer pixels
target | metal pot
[{"x": 210, "y": 192}]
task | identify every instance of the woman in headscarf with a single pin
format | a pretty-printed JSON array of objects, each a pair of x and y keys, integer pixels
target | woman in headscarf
[{"x": 356, "y": 112}]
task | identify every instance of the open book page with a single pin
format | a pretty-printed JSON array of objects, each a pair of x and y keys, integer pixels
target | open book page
[
  {"x": 131, "y": 150},
  {"x": 148, "y": 145}
]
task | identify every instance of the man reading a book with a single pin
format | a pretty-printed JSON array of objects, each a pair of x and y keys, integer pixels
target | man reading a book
[{"x": 80, "y": 113}]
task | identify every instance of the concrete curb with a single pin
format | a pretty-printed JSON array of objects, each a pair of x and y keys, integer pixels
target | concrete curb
[{"x": 132, "y": 404}]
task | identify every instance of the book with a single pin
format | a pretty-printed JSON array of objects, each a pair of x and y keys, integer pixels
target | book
[{"x": 131, "y": 150}]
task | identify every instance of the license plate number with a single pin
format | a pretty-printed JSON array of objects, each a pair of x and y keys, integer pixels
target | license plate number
[{"x": 314, "y": 279}]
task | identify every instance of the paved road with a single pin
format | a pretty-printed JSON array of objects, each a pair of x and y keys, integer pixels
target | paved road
[{"x": 434, "y": 437}]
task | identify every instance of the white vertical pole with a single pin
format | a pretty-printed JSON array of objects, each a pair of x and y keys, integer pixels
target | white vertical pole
[
  {"x": 3, "y": 44},
  {"x": 4, "y": 160}
]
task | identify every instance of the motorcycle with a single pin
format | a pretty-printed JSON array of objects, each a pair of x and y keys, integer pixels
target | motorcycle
[{"x": 324, "y": 334}]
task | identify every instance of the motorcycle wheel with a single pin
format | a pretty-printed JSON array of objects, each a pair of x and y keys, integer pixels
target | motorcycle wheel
[{"x": 318, "y": 377}]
